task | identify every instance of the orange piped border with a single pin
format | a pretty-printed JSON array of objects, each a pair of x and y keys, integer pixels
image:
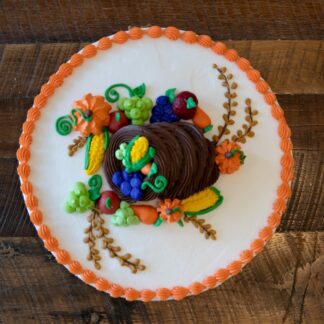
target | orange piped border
[{"x": 220, "y": 275}]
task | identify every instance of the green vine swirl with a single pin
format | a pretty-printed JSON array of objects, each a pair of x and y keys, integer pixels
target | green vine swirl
[
  {"x": 112, "y": 95},
  {"x": 64, "y": 125},
  {"x": 95, "y": 184},
  {"x": 160, "y": 184},
  {"x": 74, "y": 119}
]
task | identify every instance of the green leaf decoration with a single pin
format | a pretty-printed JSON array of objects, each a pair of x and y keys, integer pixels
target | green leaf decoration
[
  {"x": 180, "y": 222},
  {"x": 158, "y": 222},
  {"x": 171, "y": 94},
  {"x": 191, "y": 103},
  {"x": 140, "y": 90},
  {"x": 106, "y": 138},
  {"x": 117, "y": 116},
  {"x": 153, "y": 170},
  {"x": 242, "y": 155},
  {"x": 207, "y": 129},
  {"x": 108, "y": 203},
  {"x": 87, "y": 149}
]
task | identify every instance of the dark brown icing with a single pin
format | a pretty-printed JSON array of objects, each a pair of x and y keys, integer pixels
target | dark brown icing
[{"x": 183, "y": 155}]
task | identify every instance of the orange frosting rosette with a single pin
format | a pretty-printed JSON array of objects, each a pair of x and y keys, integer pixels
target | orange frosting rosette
[
  {"x": 170, "y": 210},
  {"x": 229, "y": 157},
  {"x": 95, "y": 107}
]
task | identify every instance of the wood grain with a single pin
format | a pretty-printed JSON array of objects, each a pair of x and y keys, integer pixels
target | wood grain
[
  {"x": 52, "y": 21},
  {"x": 290, "y": 67},
  {"x": 283, "y": 284}
]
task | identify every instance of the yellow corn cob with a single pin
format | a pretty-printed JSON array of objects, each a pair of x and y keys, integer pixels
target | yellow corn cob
[
  {"x": 139, "y": 149},
  {"x": 96, "y": 153},
  {"x": 200, "y": 201}
]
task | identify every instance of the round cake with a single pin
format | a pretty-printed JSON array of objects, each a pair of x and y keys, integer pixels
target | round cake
[{"x": 155, "y": 163}]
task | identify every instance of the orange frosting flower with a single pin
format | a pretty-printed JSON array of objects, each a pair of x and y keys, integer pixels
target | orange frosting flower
[
  {"x": 229, "y": 157},
  {"x": 170, "y": 210},
  {"x": 95, "y": 114}
]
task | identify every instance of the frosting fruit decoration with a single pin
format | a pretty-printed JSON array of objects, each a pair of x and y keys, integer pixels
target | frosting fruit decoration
[
  {"x": 125, "y": 216},
  {"x": 167, "y": 161},
  {"x": 129, "y": 184},
  {"x": 117, "y": 120},
  {"x": 147, "y": 214},
  {"x": 136, "y": 106},
  {"x": 185, "y": 105},
  {"x": 202, "y": 202},
  {"x": 162, "y": 111},
  {"x": 95, "y": 149},
  {"x": 89, "y": 116},
  {"x": 82, "y": 199},
  {"x": 229, "y": 157},
  {"x": 171, "y": 108},
  {"x": 108, "y": 202},
  {"x": 79, "y": 199},
  {"x": 202, "y": 120}
]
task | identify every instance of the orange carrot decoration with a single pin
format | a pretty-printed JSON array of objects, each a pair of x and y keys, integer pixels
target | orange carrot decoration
[
  {"x": 202, "y": 120},
  {"x": 147, "y": 214}
]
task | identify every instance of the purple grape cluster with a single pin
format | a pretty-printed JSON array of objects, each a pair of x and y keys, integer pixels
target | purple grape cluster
[
  {"x": 129, "y": 184},
  {"x": 162, "y": 111}
]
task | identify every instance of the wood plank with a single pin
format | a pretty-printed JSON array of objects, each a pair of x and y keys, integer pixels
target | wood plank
[
  {"x": 290, "y": 67},
  {"x": 14, "y": 219},
  {"x": 304, "y": 213},
  {"x": 53, "y": 21},
  {"x": 283, "y": 284}
]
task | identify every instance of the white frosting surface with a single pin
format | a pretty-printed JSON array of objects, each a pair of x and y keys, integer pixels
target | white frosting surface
[{"x": 173, "y": 255}]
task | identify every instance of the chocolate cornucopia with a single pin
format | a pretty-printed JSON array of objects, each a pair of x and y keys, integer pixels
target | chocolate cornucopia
[
  {"x": 183, "y": 156},
  {"x": 168, "y": 160}
]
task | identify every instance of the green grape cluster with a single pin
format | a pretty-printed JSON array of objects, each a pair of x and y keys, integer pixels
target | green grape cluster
[
  {"x": 79, "y": 200},
  {"x": 136, "y": 109},
  {"x": 125, "y": 216},
  {"x": 121, "y": 152}
]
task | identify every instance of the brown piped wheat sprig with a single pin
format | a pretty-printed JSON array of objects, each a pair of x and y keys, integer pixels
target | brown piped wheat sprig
[
  {"x": 246, "y": 130},
  {"x": 77, "y": 144},
  {"x": 90, "y": 239},
  {"x": 97, "y": 230},
  {"x": 108, "y": 244},
  {"x": 230, "y": 94},
  {"x": 204, "y": 228}
]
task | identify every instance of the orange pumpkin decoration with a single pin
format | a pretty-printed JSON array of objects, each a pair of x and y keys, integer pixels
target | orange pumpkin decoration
[
  {"x": 170, "y": 210},
  {"x": 95, "y": 114},
  {"x": 229, "y": 157}
]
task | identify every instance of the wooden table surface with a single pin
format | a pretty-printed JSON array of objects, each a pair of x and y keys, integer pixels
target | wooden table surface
[{"x": 284, "y": 40}]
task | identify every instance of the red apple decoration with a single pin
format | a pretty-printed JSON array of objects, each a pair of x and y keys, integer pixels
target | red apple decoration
[
  {"x": 185, "y": 105},
  {"x": 117, "y": 120},
  {"x": 108, "y": 202}
]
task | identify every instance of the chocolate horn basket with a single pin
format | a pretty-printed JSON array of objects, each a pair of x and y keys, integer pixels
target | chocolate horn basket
[{"x": 182, "y": 154}]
